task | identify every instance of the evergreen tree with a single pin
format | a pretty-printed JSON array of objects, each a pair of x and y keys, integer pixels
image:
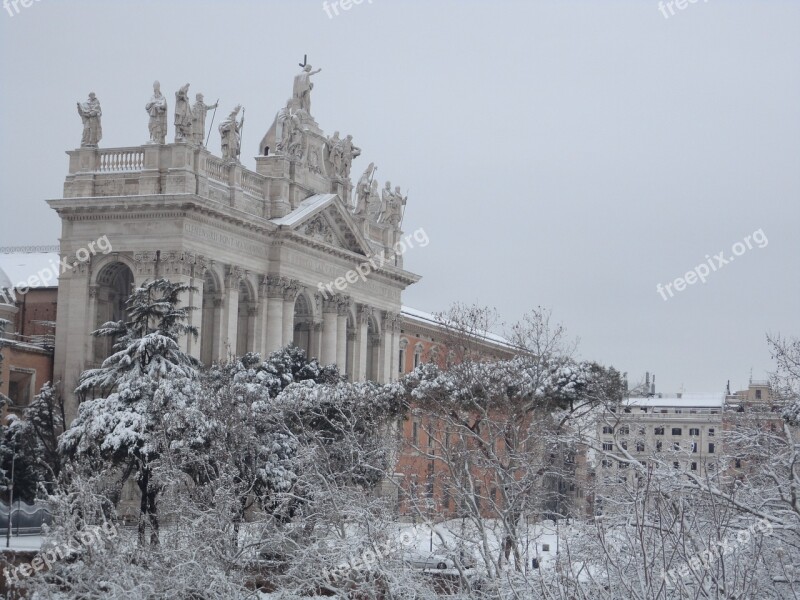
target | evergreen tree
[{"x": 147, "y": 395}]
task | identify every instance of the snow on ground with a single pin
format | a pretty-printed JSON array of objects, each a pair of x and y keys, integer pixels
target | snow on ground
[{"x": 23, "y": 542}]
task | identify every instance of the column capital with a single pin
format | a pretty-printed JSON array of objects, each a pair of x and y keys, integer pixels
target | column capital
[
  {"x": 344, "y": 305},
  {"x": 233, "y": 276},
  {"x": 364, "y": 314}
]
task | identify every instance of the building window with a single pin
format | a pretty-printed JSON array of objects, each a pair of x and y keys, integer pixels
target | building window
[
  {"x": 678, "y": 411},
  {"x": 624, "y": 445},
  {"x": 676, "y": 446},
  {"x": 676, "y": 465},
  {"x": 711, "y": 432},
  {"x": 493, "y": 496},
  {"x": 738, "y": 463},
  {"x": 640, "y": 446},
  {"x": 401, "y": 367},
  {"x": 415, "y": 433},
  {"x": 624, "y": 430},
  {"x": 20, "y": 386},
  {"x": 711, "y": 448},
  {"x": 694, "y": 466},
  {"x": 659, "y": 431},
  {"x": 606, "y": 463},
  {"x": 545, "y": 547},
  {"x": 658, "y": 446},
  {"x": 758, "y": 394},
  {"x": 677, "y": 431},
  {"x": 608, "y": 446},
  {"x": 694, "y": 431},
  {"x": 608, "y": 430},
  {"x": 694, "y": 447},
  {"x": 417, "y": 355}
]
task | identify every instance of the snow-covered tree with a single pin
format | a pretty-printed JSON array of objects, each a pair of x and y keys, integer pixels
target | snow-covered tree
[{"x": 148, "y": 390}]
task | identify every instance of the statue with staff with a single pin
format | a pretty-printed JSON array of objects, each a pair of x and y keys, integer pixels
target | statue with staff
[
  {"x": 199, "y": 113},
  {"x": 231, "y": 130},
  {"x": 157, "y": 109}
]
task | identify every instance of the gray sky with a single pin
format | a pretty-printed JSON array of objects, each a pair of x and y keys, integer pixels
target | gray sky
[{"x": 566, "y": 154}]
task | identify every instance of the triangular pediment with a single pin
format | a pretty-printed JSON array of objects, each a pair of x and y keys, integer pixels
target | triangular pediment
[{"x": 324, "y": 218}]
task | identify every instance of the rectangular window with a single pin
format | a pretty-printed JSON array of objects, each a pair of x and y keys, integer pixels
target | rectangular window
[
  {"x": 710, "y": 432},
  {"x": 758, "y": 394},
  {"x": 694, "y": 447},
  {"x": 694, "y": 431},
  {"x": 608, "y": 446},
  {"x": 676, "y": 446},
  {"x": 624, "y": 445},
  {"x": 493, "y": 496},
  {"x": 415, "y": 433},
  {"x": 677, "y": 431},
  {"x": 694, "y": 466},
  {"x": 608, "y": 430},
  {"x": 606, "y": 463},
  {"x": 676, "y": 465},
  {"x": 640, "y": 446},
  {"x": 658, "y": 446},
  {"x": 20, "y": 386},
  {"x": 738, "y": 463},
  {"x": 624, "y": 430},
  {"x": 659, "y": 431},
  {"x": 678, "y": 411},
  {"x": 401, "y": 367},
  {"x": 711, "y": 448}
]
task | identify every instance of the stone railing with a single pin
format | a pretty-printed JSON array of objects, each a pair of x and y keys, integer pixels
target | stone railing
[
  {"x": 253, "y": 183},
  {"x": 116, "y": 160},
  {"x": 217, "y": 169}
]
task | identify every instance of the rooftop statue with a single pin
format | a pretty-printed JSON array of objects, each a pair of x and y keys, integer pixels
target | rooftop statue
[
  {"x": 199, "y": 112},
  {"x": 157, "y": 109},
  {"x": 90, "y": 113},
  {"x": 230, "y": 130},
  {"x": 303, "y": 86},
  {"x": 183, "y": 115}
]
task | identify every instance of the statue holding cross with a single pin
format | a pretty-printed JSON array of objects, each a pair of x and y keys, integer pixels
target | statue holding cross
[{"x": 303, "y": 86}]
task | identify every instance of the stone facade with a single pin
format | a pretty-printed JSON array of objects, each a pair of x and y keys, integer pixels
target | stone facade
[{"x": 274, "y": 253}]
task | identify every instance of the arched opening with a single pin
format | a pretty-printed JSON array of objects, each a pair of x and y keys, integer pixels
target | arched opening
[
  {"x": 212, "y": 301},
  {"x": 303, "y": 324},
  {"x": 114, "y": 286}
]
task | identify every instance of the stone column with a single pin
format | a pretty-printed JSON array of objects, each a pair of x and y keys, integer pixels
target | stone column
[
  {"x": 290, "y": 293},
  {"x": 230, "y": 312},
  {"x": 341, "y": 333},
  {"x": 361, "y": 344},
  {"x": 330, "y": 312},
  {"x": 275, "y": 287},
  {"x": 73, "y": 324},
  {"x": 386, "y": 366},
  {"x": 261, "y": 318}
]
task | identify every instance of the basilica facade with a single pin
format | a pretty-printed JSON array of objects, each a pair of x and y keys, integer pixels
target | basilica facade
[{"x": 292, "y": 252}]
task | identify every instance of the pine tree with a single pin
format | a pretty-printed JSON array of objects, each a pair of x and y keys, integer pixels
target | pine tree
[{"x": 148, "y": 392}]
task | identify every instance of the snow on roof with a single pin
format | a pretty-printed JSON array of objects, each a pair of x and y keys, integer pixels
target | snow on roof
[
  {"x": 433, "y": 320},
  {"x": 685, "y": 401},
  {"x": 305, "y": 208},
  {"x": 32, "y": 270}
]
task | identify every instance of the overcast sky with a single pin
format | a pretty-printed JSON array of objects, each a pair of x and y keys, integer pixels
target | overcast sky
[{"x": 566, "y": 154}]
